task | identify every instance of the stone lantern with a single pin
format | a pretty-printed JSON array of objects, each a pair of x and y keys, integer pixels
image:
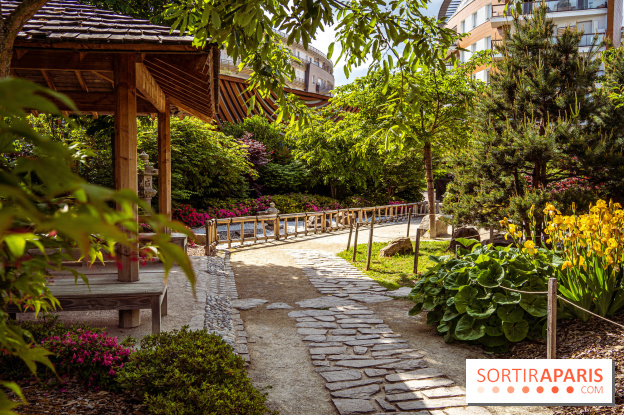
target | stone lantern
[{"x": 146, "y": 187}]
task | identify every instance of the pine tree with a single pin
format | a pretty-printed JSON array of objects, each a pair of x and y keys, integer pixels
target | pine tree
[{"x": 538, "y": 131}]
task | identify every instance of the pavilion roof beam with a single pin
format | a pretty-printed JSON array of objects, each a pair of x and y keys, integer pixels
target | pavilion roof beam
[
  {"x": 62, "y": 61},
  {"x": 148, "y": 86},
  {"x": 48, "y": 80}
]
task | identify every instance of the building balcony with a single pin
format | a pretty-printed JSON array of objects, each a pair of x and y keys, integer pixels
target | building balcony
[
  {"x": 325, "y": 90},
  {"x": 500, "y": 17},
  {"x": 587, "y": 40}
]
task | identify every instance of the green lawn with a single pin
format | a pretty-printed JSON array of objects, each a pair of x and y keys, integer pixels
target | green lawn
[{"x": 394, "y": 272}]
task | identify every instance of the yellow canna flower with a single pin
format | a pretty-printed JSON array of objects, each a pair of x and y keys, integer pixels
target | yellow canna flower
[
  {"x": 566, "y": 264},
  {"x": 529, "y": 247}
]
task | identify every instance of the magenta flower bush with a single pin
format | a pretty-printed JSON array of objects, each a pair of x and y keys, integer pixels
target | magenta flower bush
[{"x": 94, "y": 357}]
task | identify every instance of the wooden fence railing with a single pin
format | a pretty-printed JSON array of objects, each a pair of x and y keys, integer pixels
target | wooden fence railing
[{"x": 312, "y": 223}]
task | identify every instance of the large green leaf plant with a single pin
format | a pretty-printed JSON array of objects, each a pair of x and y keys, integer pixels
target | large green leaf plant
[
  {"x": 48, "y": 213},
  {"x": 468, "y": 300}
]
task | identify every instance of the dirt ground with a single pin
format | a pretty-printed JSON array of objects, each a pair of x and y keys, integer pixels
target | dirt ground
[{"x": 279, "y": 358}]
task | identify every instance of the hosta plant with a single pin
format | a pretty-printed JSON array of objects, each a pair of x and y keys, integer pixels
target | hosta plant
[{"x": 467, "y": 300}]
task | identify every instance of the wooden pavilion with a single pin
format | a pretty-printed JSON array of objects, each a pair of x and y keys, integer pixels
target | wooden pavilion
[{"x": 113, "y": 64}]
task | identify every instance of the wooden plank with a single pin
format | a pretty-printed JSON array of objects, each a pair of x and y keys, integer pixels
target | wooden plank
[
  {"x": 148, "y": 86},
  {"x": 156, "y": 314},
  {"x": 190, "y": 110},
  {"x": 164, "y": 160},
  {"x": 48, "y": 80},
  {"x": 62, "y": 61},
  {"x": 81, "y": 81},
  {"x": 126, "y": 148},
  {"x": 551, "y": 332}
]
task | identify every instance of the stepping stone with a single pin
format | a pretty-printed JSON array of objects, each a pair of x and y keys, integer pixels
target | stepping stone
[
  {"x": 278, "y": 306},
  {"x": 400, "y": 293},
  {"x": 336, "y": 386},
  {"x": 365, "y": 362},
  {"x": 359, "y": 312},
  {"x": 409, "y": 396},
  {"x": 405, "y": 365},
  {"x": 343, "y": 332},
  {"x": 248, "y": 303},
  {"x": 325, "y": 318},
  {"x": 353, "y": 406},
  {"x": 369, "y": 299},
  {"x": 471, "y": 410},
  {"x": 348, "y": 357},
  {"x": 389, "y": 346},
  {"x": 360, "y": 350},
  {"x": 314, "y": 338},
  {"x": 375, "y": 372},
  {"x": 341, "y": 338},
  {"x": 392, "y": 352},
  {"x": 371, "y": 342},
  {"x": 432, "y": 404},
  {"x": 317, "y": 325},
  {"x": 359, "y": 392},
  {"x": 341, "y": 375},
  {"x": 385, "y": 405},
  {"x": 355, "y": 326},
  {"x": 309, "y": 331},
  {"x": 324, "y": 302},
  {"x": 328, "y": 350},
  {"x": 375, "y": 331},
  {"x": 416, "y": 385},
  {"x": 361, "y": 320},
  {"x": 310, "y": 313},
  {"x": 415, "y": 375},
  {"x": 443, "y": 392}
]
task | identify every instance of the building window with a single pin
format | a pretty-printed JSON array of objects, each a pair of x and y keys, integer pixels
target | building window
[
  {"x": 313, "y": 79},
  {"x": 488, "y": 12},
  {"x": 487, "y": 76},
  {"x": 474, "y": 19},
  {"x": 473, "y": 48},
  {"x": 463, "y": 26},
  {"x": 488, "y": 42},
  {"x": 462, "y": 56}
]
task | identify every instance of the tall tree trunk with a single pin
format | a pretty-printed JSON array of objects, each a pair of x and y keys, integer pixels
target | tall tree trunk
[
  {"x": 11, "y": 26},
  {"x": 430, "y": 189}
]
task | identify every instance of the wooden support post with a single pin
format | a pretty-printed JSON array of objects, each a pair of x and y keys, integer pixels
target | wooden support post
[
  {"x": 491, "y": 234},
  {"x": 229, "y": 235},
  {"x": 164, "y": 161},
  {"x": 350, "y": 233},
  {"x": 208, "y": 238},
  {"x": 276, "y": 232},
  {"x": 409, "y": 222},
  {"x": 266, "y": 238},
  {"x": 163, "y": 305},
  {"x": 242, "y": 232},
  {"x": 416, "y": 251},
  {"x": 305, "y": 225},
  {"x": 156, "y": 314},
  {"x": 285, "y": 228},
  {"x": 324, "y": 222},
  {"x": 126, "y": 165},
  {"x": 370, "y": 243},
  {"x": 296, "y": 226},
  {"x": 357, "y": 228},
  {"x": 255, "y": 231},
  {"x": 551, "y": 333}
]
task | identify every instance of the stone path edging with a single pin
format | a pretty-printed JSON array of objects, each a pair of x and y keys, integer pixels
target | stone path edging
[
  {"x": 215, "y": 281},
  {"x": 367, "y": 367}
]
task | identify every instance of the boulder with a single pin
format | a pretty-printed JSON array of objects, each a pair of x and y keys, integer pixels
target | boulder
[
  {"x": 398, "y": 246},
  {"x": 319, "y": 222},
  {"x": 466, "y": 232},
  {"x": 441, "y": 226},
  {"x": 344, "y": 218},
  {"x": 499, "y": 240}
]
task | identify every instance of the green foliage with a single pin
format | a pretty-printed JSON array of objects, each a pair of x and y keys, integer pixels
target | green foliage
[
  {"x": 466, "y": 300},
  {"x": 47, "y": 212},
  {"x": 397, "y": 35},
  {"x": 299, "y": 202},
  {"x": 286, "y": 178},
  {"x": 263, "y": 130},
  {"x": 191, "y": 373},
  {"x": 540, "y": 133},
  {"x": 204, "y": 163}
]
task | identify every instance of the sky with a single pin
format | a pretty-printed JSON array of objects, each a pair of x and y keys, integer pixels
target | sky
[{"x": 323, "y": 39}]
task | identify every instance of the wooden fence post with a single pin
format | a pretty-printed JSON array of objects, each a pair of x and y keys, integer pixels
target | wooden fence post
[
  {"x": 491, "y": 234},
  {"x": 276, "y": 232},
  {"x": 357, "y": 227},
  {"x": 409, "y": 221},
  {"x": 208, "y": 238},
  {"x": 350, "y": 233},
  {"x": 370, "y": 243},
  {"x": 551, "y": 333},
  {"x": 229, "y": 234},
  {"x": 416, "y": 251}
]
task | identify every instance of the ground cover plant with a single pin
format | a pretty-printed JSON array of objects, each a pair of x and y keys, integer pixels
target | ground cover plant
[{"x": 397, "y": 271}]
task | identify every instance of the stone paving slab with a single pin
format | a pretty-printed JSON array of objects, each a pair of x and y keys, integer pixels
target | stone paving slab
[{"x": 368, "y": 368}]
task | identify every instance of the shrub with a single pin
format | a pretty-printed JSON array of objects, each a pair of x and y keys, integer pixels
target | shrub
[
  {"x": 286, "y": 178},
  {"x": 466, "y": 300},
  {"x": 93, "y": 356},
  {"x": 190, "y": 373},
  {"x": 264, "y": 131}
]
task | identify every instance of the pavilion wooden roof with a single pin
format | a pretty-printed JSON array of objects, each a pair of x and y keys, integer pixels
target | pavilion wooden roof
[{"x": 72, "y": 48}]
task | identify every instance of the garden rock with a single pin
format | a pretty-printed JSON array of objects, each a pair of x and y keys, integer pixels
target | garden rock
[
  {"x": 466, "y": 232},
  {"x": 319, "y": 223},
  {"x": 441, "y": 225},
  {"x": 248, "y": 303},
  {"x": 397, "y": 246},
  {"x": 345, "y": 218},
  {"x": 499, "y": 240}
]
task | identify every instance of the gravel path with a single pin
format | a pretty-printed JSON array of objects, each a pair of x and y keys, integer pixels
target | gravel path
[{"x": 327, "y": 340}]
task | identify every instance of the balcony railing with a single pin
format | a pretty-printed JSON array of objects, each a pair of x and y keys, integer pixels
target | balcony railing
[
  {"x": 586, "y": 40},
  {"x": 320, "y": 89},
  {"x": 498, "y": 10},
  {"x": 309, "y": 48}
]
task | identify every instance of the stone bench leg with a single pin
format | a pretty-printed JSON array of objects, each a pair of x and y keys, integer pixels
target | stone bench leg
[{"x": 156, "y": 314}]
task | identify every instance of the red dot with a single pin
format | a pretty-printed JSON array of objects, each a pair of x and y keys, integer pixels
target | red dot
[
  {"x": 510, "y": 389},
  {"x": 555, "y": 389},
  {"x": 525, "y": 389},
  {"x": 570, "y": 389},
  {"x": 540, "y": 389},
  {"x": 495, "y": 389}
]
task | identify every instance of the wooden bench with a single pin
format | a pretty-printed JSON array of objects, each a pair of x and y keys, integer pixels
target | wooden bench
[{"x": 105, "y": 292}]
